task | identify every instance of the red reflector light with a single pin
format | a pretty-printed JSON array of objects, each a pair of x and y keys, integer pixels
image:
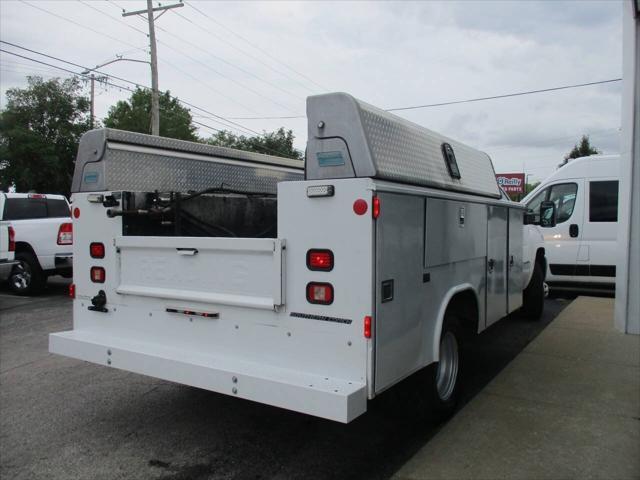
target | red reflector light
[
  {"x": 97, "y": 274},
  {"x": 320, "y": 260},
  {"x": 65, "y": 234},
  {"x": 96, "y": 249},
  {"x": 367, "y": 326},
  {"x": 76, "y": 212},
  {"x": 375, "y": 211},
  {"x": 12, "y": 239},
  {"x": 360, "y": 206},
  {"x": 320, "y": 293},
  {"x": 72, "y": 290}
]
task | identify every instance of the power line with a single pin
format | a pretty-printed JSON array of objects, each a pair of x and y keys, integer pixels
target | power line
[
  {"x": 179, "y": 52},
  {"x": 455, "y": 102},
  {"x": 232, "y": 125},
  {"x": 255, "y": 46},
  {"x": 79, "y": 24},
  {"x": 232, "y": 64},
  {"x": 517, "y": 94},
  {"x": 244, "y": 52}
]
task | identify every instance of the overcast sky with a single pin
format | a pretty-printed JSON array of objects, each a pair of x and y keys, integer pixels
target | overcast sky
[{"x": 261, "y": 59}]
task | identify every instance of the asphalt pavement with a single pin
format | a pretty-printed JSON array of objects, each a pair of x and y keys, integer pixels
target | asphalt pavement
[{"x": 65, "y": 419}]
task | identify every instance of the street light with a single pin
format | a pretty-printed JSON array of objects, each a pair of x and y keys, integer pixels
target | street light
[{"x": 93, "y": 78}]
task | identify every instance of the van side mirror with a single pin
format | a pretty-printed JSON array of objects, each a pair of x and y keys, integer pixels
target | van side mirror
[{"x": 547, "y": 214}]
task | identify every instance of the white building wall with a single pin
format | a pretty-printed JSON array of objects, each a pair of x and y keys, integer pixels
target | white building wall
[{"x": 627, "y": 306}]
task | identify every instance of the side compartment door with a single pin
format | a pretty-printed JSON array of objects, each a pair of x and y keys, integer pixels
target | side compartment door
[
  {"x": 496, "y": 264},
  {"x": 514, "y": 260},
  {"x": 398, "y": 286}
]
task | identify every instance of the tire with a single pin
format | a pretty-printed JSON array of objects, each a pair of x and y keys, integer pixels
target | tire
[
  {"x": 27, "y": 278},
  {"x": 533, "y": 295},
  {"x": 443, "y": 378}
]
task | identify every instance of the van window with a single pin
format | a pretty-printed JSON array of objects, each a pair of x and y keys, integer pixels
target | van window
[
  {"x": 534, "y": 204},
  {"x": 564, "y": 196},
  {"x": 603, "y": 201}
]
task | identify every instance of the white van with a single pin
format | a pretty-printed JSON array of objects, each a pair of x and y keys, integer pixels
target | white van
[{"x": 581, "y": 248}]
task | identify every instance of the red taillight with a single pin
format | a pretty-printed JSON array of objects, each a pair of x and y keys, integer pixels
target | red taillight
[
  {"x": 65, "y": 234},
  {"x": 97, "y": 274},
  {"x": 76, "y": 212},
  {"x": 12, "y": 239},
  {"x": 72, "y": 290},
  {"x": 96, "y": 250},
  {"x": 320, "y": 260},
  {"x": 375, "y": 211},
  {"x": 360, "y": 207},
  {"x": 320, "y": 293},
  {"x": 367, "y": 326}
]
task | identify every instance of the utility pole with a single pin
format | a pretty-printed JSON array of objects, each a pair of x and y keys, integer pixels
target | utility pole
[
  {"x": 93, "y": 78},
  {"x": 155, "y": 94},
  {"x": 93, "y": 94}
]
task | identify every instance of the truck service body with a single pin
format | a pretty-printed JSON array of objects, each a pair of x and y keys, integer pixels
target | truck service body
[{"x": 386, "y": 229}]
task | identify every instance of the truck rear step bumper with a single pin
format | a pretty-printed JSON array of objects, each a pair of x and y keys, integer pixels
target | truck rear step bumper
[{"x": 333, "y": 399}]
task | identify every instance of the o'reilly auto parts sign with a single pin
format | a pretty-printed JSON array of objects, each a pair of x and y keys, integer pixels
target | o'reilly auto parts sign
[{"x": 511, "y": 182}]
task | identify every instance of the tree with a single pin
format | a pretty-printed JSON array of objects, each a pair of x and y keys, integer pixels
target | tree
[
  {"x": 39, "y": 133},
  {"x": 581, "y": 149},
  {"x": 278, "y": 143},
  {"x": 134, "y": 115}
]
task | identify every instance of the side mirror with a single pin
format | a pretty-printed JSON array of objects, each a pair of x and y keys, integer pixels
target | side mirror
[{"x": 547, "y": 214}]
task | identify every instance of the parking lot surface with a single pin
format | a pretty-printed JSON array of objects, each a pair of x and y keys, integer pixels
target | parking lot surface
[{"x": 65, "y": 419}]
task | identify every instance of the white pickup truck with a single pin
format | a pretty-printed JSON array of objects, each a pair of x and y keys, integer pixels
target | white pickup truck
[{"x": 42, "y": 238}]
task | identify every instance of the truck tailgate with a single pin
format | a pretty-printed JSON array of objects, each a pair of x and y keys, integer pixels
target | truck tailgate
[{"x": 245, "y": 272}]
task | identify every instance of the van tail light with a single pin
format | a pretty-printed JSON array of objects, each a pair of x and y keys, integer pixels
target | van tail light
[
  {"x": 320, "y": 293},
  {"x": 98, "y": 275},
  {"x": 72, "y": 290},
  {"x": 321, "y": 260},
  {"x": 375, "y": 211},
  {"x": 96, "y": 250},
  {"x": 65, "y": 234},
  {"x": 12, "y": 239},
  {"x": 367, "y": 326}
]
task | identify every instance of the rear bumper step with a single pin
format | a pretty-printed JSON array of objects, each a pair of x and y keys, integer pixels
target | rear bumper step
[{"x": 333, "y": 399}]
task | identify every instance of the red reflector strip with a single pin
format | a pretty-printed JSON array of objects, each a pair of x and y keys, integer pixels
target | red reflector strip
[
  {"x": 72, "y": 290},
  {"x": 98, "y": 275},
  {"x": 320, "y": 260},
  {"x": 375, "y": 211},
  {"x": 96, "y": 250},
  {"x": 320, "y": 293},
  {"x": 193, "y": 313},
  {"x": 367, "y": 326}
]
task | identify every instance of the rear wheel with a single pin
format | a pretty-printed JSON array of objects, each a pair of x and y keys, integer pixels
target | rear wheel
[
  {"x": 443, "y": 378},
  {"x": 27, "y": 277},
  {"x": 533, "y": 295}
]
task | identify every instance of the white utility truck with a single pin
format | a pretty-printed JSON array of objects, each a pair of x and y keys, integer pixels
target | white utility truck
[{"x": 313, "y": 287}]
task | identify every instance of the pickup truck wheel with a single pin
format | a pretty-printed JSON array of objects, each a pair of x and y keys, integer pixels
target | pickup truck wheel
[
  {"x": 533, "y": 295},
  {"x": 444, "y": 376},
  {"x": 26, "y": 277}
]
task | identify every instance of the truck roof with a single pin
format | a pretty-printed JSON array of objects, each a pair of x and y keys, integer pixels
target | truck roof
[
  {"x": 110, "y": 160},
  {"x": 350, "y": 138}
]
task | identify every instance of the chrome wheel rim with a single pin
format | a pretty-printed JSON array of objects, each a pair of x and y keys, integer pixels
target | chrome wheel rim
[
  {"x": 21, "y": 276},
  {"x": 447, "y": 366}
]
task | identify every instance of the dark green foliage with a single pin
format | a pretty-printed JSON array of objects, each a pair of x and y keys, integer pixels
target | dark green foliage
[
  {"x": 39, "y": 133},
  {"x": 279, "y": 143},
  {"x": 134, "y": 115},
  {"x": 582, "y": 149}
]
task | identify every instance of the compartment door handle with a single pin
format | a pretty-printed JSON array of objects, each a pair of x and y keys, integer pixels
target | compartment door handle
[{"x": 190, "y": 252}]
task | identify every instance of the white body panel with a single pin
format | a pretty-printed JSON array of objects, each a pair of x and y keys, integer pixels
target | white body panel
[
  {"x": 580, "y": 249},
  {"x": 6, "y": 257}
]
